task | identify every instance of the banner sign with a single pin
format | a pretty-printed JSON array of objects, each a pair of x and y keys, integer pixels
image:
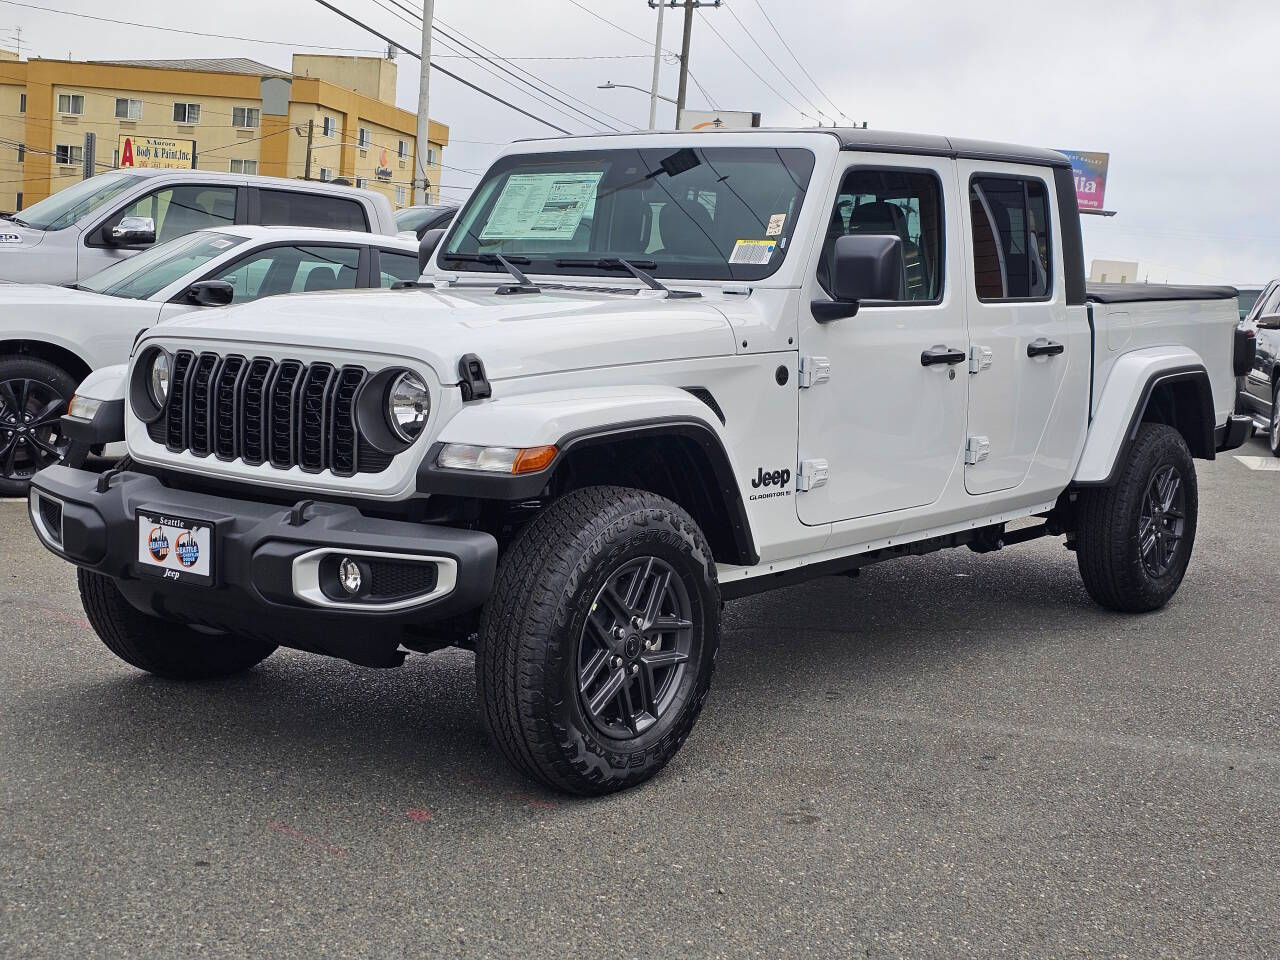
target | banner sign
[
  {"x": 1090, "y": 170},
  {"x": 159, "y": 153}
]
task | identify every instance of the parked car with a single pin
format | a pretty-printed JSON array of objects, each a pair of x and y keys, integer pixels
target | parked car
[
  {"x": 87, "y": 227},
  {"x": 1259, "y": 395},
  {"x": 51, "y": 337},
  {"x": 773, "y": 356},
  {"x": 1246, "y": 297},
  {"x": 418, "y": 220}
]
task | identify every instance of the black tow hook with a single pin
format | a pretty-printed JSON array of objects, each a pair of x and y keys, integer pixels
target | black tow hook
[{"x": 298, "y": 515}]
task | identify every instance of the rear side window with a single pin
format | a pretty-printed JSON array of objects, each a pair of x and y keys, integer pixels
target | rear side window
[
  {"x": 293, "y": 209},
  {"x": 397, "y": 267},
  {"x": 1011, "y": 243}
]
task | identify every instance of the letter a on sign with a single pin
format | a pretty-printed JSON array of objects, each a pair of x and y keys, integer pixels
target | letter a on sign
[{"x": 126, "y": 153}]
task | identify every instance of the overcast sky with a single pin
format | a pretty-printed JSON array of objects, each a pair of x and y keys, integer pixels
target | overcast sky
[{"x": 1182, "y": 95}]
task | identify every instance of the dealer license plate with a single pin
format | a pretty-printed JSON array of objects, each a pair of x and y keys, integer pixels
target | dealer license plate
[{"x": 175, "y": 548}]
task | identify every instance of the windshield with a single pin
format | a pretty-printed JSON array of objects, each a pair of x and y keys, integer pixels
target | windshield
[
  {"x": 68, "y": 206},
  {"x": 719, "y": 213},
  {"x": 148, "y": 273}
]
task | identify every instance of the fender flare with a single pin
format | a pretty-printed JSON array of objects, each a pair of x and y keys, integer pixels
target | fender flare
[{"x": 1112, "y": 431}]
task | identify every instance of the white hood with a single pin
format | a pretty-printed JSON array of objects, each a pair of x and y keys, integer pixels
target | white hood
[
  {"x": 15, "y": 237},
  {"x": 517, "y": 335}
]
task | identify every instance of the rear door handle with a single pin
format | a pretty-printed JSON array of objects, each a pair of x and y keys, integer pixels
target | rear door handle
[
  {"x": 941, "y": 354},
  {"x": 1040, "y": 347}
]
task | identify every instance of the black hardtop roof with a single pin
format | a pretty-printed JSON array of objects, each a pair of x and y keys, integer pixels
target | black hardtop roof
[{"x": 887, "y": 141}]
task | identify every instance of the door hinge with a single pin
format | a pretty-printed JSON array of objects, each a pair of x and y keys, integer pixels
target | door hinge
[
  {"x": 979, "y": 359},
  {"x": 813, "y": 371},
  {"x": 811, "y": 475},
  {"x": 977, "y": 449}
]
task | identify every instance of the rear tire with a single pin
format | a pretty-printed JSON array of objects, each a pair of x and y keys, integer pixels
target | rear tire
[
  {"x": 597, "y": 647},
  {"x": 34, "y": 395},
  {"x": 1273, "y": 439},
  {"x": 170, "y": 650},
  {"x": 1134, "y": 538}
]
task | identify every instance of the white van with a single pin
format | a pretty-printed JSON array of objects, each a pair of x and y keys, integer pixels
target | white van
[{"x": 100, "y": 221}]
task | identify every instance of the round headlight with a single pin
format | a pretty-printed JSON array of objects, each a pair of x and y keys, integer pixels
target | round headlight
[
  {"x": 408, "y": 406},
  {"x": 159, "y": 378}
]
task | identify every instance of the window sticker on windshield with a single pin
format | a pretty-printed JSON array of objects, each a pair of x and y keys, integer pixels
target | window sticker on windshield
[
  {"x": 541, "y": 206},
  {"x": 753, "y": 251},
  {"x": 220, "y": 244},
  {"x": 775, "y": 224}
]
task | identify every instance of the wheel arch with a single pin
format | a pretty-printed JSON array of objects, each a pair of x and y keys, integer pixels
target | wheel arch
[{"x": 59, "y": 356}]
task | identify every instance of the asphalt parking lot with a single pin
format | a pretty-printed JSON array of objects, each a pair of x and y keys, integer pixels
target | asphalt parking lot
[{"x": 951, "y": 756}]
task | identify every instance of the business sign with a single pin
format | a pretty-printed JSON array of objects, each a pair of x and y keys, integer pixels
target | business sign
[
  {"x": 718, "y": 120},
  {"x": 1090, "y": 170},
  {"x": 157, "y": 153},
  {"x": 383, "y": 170}
]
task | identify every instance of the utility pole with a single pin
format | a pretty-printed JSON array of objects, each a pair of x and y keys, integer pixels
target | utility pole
[
  {"x": 311, "y": 132},
  {"x": 689, "y": 7},
  {"x": 657, "y": 65},
  {"x": 421, "y": 185},
  {"x": 90, "y": 158}
]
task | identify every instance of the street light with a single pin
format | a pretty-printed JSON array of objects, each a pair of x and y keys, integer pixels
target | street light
[{"x": 628, "y": 86}]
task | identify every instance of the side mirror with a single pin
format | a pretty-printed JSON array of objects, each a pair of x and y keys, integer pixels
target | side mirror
[
  {"x": 427, "y": 246},
  {"x": 865, "y": 267},
  {"x": 132, "y": 232},
  {"x": 1270, "y": 321},
  {"x": 210, "y": 293}
]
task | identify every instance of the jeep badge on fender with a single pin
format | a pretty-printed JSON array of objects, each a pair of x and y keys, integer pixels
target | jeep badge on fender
[{"x": 778, "y": 478}]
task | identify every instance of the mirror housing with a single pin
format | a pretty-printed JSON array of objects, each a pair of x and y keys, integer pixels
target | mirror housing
[
  {"x": 865, "y": 267},
  {"x": 132, "y": 232},
  {"x": 427, "y": 246},
  {"x": 210, "y": 293},
  {"x": 1270, "y": 321}
]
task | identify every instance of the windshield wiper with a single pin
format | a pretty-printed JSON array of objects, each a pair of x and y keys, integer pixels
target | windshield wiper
[
  {"x": 632, "y": 267},
  {"x": 18, "y": 220},
  {"x": 523, "y": 284}
]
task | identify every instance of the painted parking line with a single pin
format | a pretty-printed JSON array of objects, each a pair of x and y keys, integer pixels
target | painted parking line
[
  {"x": 13, "y": 499},
  {"x": 1260, "y": 463}
]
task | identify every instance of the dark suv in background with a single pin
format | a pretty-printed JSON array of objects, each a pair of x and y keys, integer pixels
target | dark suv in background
[{"x": 1260, "y": 387}]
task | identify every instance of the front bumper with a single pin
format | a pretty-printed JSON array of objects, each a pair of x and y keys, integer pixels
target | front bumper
[{"x": 262, "y": 554}]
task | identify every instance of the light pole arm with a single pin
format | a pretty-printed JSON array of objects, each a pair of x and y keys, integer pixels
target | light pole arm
[{"x": 628, "y": 86}]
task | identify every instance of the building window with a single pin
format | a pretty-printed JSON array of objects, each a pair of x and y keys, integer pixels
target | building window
[
  {"x": 22, "y": 103},
  {"x": 364, "y": 138},
  {"x": 326, "y": 174},
  {"x": 401, "y": 196},
  {"x": 403, "y": 152},
  {"x": 19, "y": 201},
  {"x": 244, "y": 166},
  {"x": 72, "y": 103},
  {"x": 127, "y": 109},
  {"x": 431, "y": 156},
  {"x": 186, "y": 113},
  {"x": 64, "y": 153},
  {"x": 247, "y": 117},
  {"x": 329, "y": 127},
  {"x": 22, "y": 153},
  {"x": 362, "y": 182}
]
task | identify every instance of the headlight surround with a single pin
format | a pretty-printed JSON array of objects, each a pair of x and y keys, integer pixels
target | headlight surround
[
  {"x": 158, "y": 377},
  {"x": 408, "y": 406}
]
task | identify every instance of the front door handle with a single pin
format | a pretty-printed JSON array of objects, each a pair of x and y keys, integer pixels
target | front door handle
[
  {"x": 1040, "y": 347},
  {"x": 941, "y": 354}
]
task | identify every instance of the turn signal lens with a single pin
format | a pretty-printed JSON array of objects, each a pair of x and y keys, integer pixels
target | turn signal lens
[
  {"x": 84, "y": 408},
  {"x": 515, "y": 460}
]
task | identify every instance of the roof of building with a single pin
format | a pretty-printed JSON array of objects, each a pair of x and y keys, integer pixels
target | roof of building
[{"x": 241, "y": 65}]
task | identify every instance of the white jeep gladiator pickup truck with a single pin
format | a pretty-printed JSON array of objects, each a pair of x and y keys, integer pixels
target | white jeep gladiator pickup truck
[{"x": 642, "y": 375}]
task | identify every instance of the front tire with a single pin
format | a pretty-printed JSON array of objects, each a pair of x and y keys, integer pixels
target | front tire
[
  {"x": 34, "y": 395},
  {"x": 597, "y": 647},
  {"x": 1134, "y": 538},
  {"x": 171, "y": 650}
]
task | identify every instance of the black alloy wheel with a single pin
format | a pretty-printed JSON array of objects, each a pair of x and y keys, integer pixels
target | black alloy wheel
[
  {"x": 30, "y": 428},
  {"x": 634, "y": 647},
  {"x": 1273, "y": 441},
  {"x": 1162, "y": 520}
]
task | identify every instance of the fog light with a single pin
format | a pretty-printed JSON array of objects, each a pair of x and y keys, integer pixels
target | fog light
[{"x": 350, "y": 576}]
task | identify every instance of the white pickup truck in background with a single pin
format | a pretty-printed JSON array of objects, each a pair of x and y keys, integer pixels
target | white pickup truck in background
[
  {"x": 100, "y": 221},
  {"x": 644, "y": 374}
]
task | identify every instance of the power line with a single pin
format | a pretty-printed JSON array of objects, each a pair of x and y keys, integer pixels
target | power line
[
  {"x": 799, "y": 62},
  {"x": 782, "y": 73},
  {"x": 194, "y": 33},
  {"x": 435, "y": 66},
  {"x": 711, "y": 26}
]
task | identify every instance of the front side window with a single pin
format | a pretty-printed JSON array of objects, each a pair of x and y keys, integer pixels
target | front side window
[
  {"x": 127, "y": 109},
  {"x": 292, "y": 269},
  {"x": 1012, "y": 253},
  {"x": 246, "y": 117},
  {"x": 713, "y": 213},
  {"x": 397, "y": 267},
  {"x": 149, "y": 272},
  {"x": 66, "y": 153},
  {"x": 178, "y": 211},
  {"x": 77, "y": 201},
  {"x": 244, "y": 166},
  {"x": 72, "y": 103},
  {"x": 187, "y": 113},
  {"x": 906, "y": 204},
  {"x": 295, "y": 209}
]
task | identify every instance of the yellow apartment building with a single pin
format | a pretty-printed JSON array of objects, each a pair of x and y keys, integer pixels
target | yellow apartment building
[{"x": 241, "y": 115}]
